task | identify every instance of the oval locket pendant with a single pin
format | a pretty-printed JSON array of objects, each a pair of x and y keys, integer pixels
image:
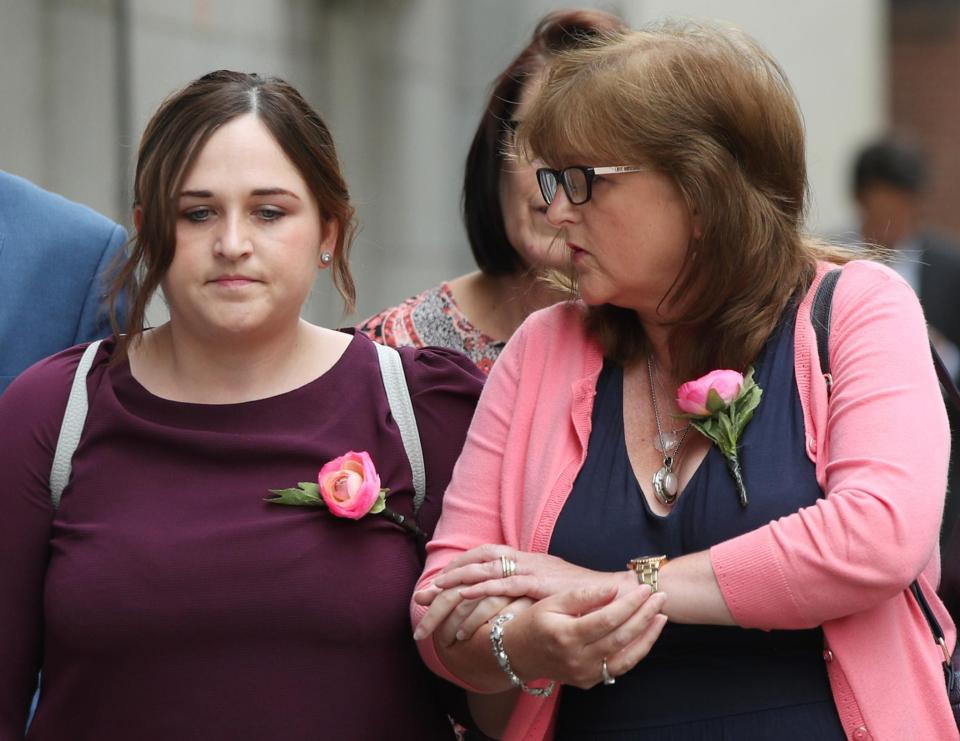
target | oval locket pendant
[{"x": 665, "y": 485}]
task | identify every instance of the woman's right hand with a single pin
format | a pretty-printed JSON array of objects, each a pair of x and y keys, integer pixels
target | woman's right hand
[{"x": 567, "y": 636}]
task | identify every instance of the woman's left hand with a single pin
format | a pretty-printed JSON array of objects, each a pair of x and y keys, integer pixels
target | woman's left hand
[
  {"x": 535, "y": 575},
  {"x": 479, "y": 573}
]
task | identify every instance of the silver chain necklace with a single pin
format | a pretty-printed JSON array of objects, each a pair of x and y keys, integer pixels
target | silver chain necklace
[{"x": 665, "y": 482}]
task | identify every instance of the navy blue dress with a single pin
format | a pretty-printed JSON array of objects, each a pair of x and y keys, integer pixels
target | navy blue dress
[{"x": 700, "y": 682}]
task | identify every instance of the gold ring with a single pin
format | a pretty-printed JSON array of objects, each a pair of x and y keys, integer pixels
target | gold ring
[
  {"x": 607, "y": 679},
  {"x": 508, "y": 567}
]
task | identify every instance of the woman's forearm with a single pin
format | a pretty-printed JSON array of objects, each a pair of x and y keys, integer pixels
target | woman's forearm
[
  {"x": 694, "y": 595},
  {"x": 689, "y": 581}
]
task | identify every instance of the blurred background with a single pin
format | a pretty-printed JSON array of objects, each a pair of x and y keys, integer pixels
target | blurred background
[{"x": 402, "y": 84}]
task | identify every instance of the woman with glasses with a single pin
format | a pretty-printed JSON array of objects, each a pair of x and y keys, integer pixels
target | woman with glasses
[
  {"x": 684, "y": 589},
  {"x": 505, "y": 218}
]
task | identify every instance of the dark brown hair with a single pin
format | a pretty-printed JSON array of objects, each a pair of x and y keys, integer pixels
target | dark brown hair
[
  {"x": 713, "y": 111},
  {"x": 482, "y": 214},
  {"x": 171, "y": 143}
]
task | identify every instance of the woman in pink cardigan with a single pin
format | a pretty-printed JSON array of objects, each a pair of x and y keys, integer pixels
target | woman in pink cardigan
[{"x": 763, "y": 600}]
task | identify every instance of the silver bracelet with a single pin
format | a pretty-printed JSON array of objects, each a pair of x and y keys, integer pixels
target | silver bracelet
[{"x": 496, "y": 642}]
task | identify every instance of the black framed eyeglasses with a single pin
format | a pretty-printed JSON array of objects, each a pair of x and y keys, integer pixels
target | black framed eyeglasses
[{"x": 577, "y": 181}]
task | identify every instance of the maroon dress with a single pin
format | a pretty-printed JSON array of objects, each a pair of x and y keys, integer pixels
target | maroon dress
[{"x": 166, "y": 599}]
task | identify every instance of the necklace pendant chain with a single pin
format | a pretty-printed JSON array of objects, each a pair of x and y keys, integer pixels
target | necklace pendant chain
[{"x": 666, "y": 485}]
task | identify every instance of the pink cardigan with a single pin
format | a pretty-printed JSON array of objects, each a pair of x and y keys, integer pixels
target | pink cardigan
[{"x": 881, "y": 447}]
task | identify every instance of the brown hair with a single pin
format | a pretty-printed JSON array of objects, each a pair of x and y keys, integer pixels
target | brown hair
[
  {"x": 171, "y": 143},
  {"x": 482, "y": 210},
  {"x": 713, "y": 111}
]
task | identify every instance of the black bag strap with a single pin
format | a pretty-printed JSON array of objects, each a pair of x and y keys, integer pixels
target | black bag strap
[
  {"x": 820, "y": 317},
  {"x": 946, "y": 382}
]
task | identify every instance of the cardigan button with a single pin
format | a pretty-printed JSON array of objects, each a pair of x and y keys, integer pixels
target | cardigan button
[
  {"x": 861, "y": 734},
  {"x": 828, "y": 655},
  {"x": 811, "y": 445}
]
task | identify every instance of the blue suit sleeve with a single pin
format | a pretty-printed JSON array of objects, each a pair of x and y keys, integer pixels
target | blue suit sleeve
[{"x": 94, "y": 318}]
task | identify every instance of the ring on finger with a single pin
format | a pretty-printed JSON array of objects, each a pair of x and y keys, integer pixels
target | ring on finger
[
  {"x": 508, "y": 567},
  {"x": 607, "y": 679}
]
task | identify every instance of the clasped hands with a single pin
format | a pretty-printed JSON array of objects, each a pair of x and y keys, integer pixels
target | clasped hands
[{"x": 568, "y": 619}]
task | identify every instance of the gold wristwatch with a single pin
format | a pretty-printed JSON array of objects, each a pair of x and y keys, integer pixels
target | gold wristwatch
[{"x": 647, "y": 569}]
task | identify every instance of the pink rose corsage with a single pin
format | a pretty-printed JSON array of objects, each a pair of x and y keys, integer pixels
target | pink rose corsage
[
  {"x": 348, "y": 486},
  {"x": 719, "y": 405}
]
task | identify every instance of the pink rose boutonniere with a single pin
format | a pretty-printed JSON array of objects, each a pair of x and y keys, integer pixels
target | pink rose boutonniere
[
  {"x": 348, "y": 486},
  {"x": 720, "y": 404}
]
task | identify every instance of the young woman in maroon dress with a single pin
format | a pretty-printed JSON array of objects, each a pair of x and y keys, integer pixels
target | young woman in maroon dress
[{"x": 165, "y": 597}]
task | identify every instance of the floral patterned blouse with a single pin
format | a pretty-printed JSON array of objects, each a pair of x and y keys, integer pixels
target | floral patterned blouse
[{"x": 433, "y": 318}]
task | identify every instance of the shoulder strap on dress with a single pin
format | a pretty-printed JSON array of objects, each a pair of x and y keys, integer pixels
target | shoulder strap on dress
[
  {"x": 401, "y": 407},
  {"x": 71, "y": 427}
]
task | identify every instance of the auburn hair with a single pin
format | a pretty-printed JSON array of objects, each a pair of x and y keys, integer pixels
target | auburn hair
[{"x": 710, "y": 109}]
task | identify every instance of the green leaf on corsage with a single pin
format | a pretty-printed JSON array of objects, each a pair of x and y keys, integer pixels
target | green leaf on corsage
[
  {"x": 307, "y": 494},
  {"x": 381, "y": 503}
]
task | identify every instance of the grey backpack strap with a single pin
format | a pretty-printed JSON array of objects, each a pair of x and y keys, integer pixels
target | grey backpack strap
[
  {"x": 74, "y": 418},
  {"x": 398, "y": 396}
]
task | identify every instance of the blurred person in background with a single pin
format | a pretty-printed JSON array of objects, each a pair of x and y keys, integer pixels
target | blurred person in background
[
  {"x": 54, "y": 257},
  {"x": 889, "y": 181},
  {"x": 504, "y": 214}
]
